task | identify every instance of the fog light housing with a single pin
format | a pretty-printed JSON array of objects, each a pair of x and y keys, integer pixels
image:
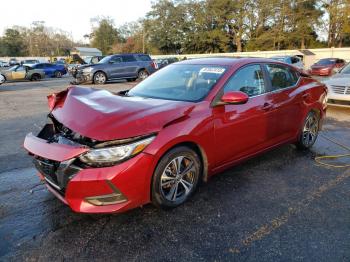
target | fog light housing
[
  {"x": 104, "y": 200},
  {"x": 109, "y": 199}
]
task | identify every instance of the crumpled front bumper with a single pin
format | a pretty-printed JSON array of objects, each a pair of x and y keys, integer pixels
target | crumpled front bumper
[
  {"x": 81, "y": 77},
  {"x": 76, "y": 185}
]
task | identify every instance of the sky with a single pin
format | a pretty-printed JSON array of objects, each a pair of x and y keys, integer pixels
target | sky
[{"x": 73, "y": 16}]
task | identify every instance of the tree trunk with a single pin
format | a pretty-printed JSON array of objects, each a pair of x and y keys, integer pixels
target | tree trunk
[
  {"x": 238, "y": 44},
  {"x": 302, "y": 46}
]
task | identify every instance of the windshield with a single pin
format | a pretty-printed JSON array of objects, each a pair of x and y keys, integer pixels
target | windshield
[
  {"x": 104, "y": 60},
  {"x": 345, "y": 70},
  {"x": 180, "y": 82},
  {"x": 325, "y": 62}
]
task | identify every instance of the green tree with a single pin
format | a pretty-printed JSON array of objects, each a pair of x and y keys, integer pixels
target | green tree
[
  {"x": 105, "y": 35},
  {"x": 13, "y": 43}
]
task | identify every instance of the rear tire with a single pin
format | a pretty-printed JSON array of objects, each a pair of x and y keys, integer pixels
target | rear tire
[
  {"x": 58, "y": 74},
  {"x": 35, "y": 77},
  {"x": 142, "y": 75},
  {"x": 309, "y": 131},
  {"x": 176, "y": 177}
]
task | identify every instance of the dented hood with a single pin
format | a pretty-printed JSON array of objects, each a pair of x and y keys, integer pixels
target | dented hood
[{"x": 102, "y": 115}]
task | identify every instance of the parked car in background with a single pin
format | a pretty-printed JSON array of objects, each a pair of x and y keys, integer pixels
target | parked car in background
[
  {"x": 291, "y": 60},
  {"x": 93, "y": 59},
  {"x": 20, "y": 72},
  {"x": 339, "y": 87},
  {"x": 2, "y": 79},
  {"x": 29, "y": 62},
  {"x": 162, "y": 62},
  {"x": 3, "y": 64},
  {"x": 13, "y": 62},
  {"x": 103, "y": 152},
  {"x": 52, "y": 70},
  {"x": 327, "y": 66},
  {"x": 121, "y": 66}
]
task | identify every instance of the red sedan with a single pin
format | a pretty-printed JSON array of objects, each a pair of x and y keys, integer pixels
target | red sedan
[
  {"x": 102, "y": 152},
  {"x": 327, "y": 66}
]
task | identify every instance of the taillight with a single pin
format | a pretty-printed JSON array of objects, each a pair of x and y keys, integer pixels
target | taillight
[{"x": 154, "y": 65}]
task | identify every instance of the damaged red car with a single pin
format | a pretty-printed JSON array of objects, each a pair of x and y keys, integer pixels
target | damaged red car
[{"x": 102, "y": 152}]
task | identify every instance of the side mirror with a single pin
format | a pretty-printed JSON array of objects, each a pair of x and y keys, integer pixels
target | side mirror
[{"x": 234, "y": 98}]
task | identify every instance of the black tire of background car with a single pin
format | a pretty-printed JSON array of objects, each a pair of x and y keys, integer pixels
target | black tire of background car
[
  {"x": 58, "y": 74},
  {"x": 35, "y": 77},
  {"x": 301, "y": 141},
  {"x": 157, "y": 197},
  {"x": 142, "y": 75},
  {"x": 131, "y": 79},
  {"x": 96, "y": 75}
]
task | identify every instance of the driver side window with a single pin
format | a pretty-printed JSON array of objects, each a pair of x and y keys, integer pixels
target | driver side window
[
  {"x": 249, "y": 80},
  {"x": 20, "y": 69}
]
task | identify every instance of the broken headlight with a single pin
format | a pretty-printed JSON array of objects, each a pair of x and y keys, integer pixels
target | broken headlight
[{"x": 111, "y": 155}]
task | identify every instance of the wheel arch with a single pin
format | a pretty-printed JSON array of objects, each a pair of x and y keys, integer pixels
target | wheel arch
[
  {"x": 36, "y": 74},
  {"x": 195, "y": 147},
  {"x": 187, "y": 143},
  {"x": 100, "y": 71}
]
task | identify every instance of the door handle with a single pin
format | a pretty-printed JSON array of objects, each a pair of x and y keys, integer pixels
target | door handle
[{"x": 266, "y": 106}]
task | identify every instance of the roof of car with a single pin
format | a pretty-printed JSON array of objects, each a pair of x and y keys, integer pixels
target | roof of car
[{"x": 224, "y": 61}]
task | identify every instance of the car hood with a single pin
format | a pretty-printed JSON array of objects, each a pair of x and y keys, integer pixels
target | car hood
[
  {"x": 103, "y": 116},
  {"x": 341, "y": 81},
  {"x": 91, "y": 65}
]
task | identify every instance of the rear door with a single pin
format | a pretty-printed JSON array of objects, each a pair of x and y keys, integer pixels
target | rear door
[
  {"x": 243, "y": 129},
  {"x": 286, "y": 100},
  {"x": 49, "y": 69},
  {"x": 130, "y": 66}
]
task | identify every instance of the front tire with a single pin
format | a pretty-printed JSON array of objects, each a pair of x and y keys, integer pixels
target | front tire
[
  {"x": 100, "y": 78},
  {"x": 309, "y": 131},
  {"x": 176, "y": 177}
]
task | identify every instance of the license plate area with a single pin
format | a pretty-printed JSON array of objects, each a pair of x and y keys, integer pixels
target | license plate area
[{"x": 48, "y": 169}]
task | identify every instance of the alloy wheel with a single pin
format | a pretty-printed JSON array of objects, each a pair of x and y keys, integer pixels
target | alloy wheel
[
  {"x": 143, "y": 75},
  {"x": 178, "y": 178},
  {"x": 100, "y": 78},
  {"x": 310, "y": 130}
]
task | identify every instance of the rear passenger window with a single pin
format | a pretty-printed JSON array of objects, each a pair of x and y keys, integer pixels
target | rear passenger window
[
  {"x": 128, "y": 58},
  {"x": 249, "y": 80},
  {"x": 144, "y": 58},
  {"x": 282, "y": 76}
]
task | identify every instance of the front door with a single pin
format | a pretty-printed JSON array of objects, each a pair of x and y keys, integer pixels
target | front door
[
  {"x": 115, "y": 67},
  {"x": 241, "y": 130},
  {"x": 19, "y": 73}
]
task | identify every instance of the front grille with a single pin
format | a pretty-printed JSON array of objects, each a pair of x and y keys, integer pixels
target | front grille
[
  {"x": 342, "y": 90},
  {"x": 47, "y": 168},
  {"x": 57, "y": 174}
]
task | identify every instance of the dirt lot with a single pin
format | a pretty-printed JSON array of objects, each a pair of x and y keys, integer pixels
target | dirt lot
[{"x": 280, "y": 206}]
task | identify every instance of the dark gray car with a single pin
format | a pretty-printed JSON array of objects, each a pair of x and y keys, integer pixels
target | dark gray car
[{"x": 120, "y": 66}]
